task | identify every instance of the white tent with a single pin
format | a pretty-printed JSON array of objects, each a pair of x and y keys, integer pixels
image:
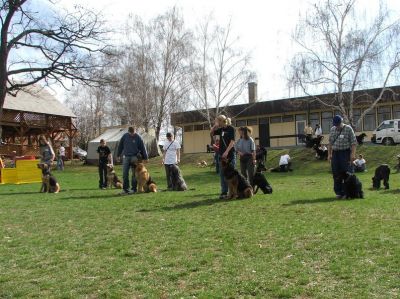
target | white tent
[{"x": 112, "y": 136}]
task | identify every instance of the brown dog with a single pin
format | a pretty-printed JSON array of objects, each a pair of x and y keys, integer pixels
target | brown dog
[
  {"x": 238, "y": 186},
  {"x": 49, "y": 182},
  {"x": 151, "y": 186},
  {"x": 142, "y": 177},
  {"x": 112, "y": 178}
]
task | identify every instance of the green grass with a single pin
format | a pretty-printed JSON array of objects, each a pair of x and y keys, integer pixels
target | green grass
[{"x": 298, "y": 242}]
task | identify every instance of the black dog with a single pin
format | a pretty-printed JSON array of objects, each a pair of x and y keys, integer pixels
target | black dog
[
  {"x": 321, "y": 155},
  {"x": 260, "y": 167},
  {"x": 352, "y": 186},
  {"x": 260, "y": 182},
  {"x": 360, "y": 138},
  {"x": 178, "y": 183},
  {"x": 382, "y": 172}
]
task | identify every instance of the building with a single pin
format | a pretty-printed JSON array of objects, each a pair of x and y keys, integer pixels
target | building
[
  {"x": 279, "y": 123},
  {"x": 31, "y": 113}
]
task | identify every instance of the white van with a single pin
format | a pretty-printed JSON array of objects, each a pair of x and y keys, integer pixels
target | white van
[{"x": 388, "y": 132}]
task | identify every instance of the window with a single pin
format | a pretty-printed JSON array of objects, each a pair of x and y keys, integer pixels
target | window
[
  {"x": 198, "y": 127},
  {"x": 326, "y": 123},
  {"x": 386, "y": 125},
  {"x": 384, "y": 113},
  {"x": 300, "y": 117},
  {"x": 370, "y": 121},
  {"x": 356, "y": 117},
  {"x": 188, "y": 128},
  {"x": 276, "y": 119},
  {"x": 396, "y": 111},
  {"x": 287, "y": 118},
  {"x": 263, "y": 121},
  {"x": 252, "y": 122},
  {"x": 314, "y": 119},
  {"x": 241, "y": 123}
]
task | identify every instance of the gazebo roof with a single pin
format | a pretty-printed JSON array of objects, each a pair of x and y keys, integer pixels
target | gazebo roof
[{"x": 37, "y": 99}]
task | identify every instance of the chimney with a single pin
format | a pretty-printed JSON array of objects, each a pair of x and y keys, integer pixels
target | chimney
[{"x": 252, "y": 86}]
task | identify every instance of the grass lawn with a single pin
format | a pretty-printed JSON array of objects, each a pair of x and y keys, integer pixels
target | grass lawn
[{"x": 299, "y": 242}]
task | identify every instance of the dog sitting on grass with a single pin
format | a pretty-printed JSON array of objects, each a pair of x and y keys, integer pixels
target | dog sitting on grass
[
  {"x": 49, "y": 182},
  {"x": 260, "y": 181},
  {"x": 178, "y": 183},
  {"x": 142, "y": 177},
  {"x": 238, "y": 186},
  {"x": 352, "y": 186},
  {"x": 382, "y": 173},
  {"x": 112, "y": 178}
]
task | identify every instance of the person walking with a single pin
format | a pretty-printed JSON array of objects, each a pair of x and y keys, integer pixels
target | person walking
[
  {"x": 246, "y": 149},
  {"x": 171, "y": 156},
  {"x": 132, "y": 150},
  {"x": 104, "y": 158},
  {"x": 226, "y": 133},
  {"x": 341, "y": 153},
  {"x": 47, "y": 154}
]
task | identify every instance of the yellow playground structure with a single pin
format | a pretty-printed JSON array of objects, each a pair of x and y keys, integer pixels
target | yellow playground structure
[{"x": 26, "y": 171}]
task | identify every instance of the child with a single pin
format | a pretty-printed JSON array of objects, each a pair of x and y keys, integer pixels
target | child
[{"x": 104, "y": 158}]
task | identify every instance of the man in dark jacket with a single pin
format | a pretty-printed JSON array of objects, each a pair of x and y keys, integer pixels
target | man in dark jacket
[{"x": 132, "y": 148}]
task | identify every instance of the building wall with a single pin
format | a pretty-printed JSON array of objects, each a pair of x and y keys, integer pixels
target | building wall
[{"x": 195, "y": 141}]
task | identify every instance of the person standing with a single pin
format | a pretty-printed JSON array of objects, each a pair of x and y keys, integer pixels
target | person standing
[
  {"x": 308, "y": 131},
  {"x": 318, "y": 131},
  {"x": 226, "y": 133},
  {"x": 104, "y": 158},
  {"x": 171, "y": 156},
  {"x": 131, "y": 148},
  {"x": 61, "y": 157},
  {"x": 341, "y": 153},
  {"x": 46, "y": 151},
  {"x": 246, "y": 148}
]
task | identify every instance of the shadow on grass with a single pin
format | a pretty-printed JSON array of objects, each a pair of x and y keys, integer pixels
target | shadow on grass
[
  {"x": 192, "y": 204},
  {"x": 20, "y": 193},
  {"x": 312, "y": 201},
  {"x": 393, "y": 191}
]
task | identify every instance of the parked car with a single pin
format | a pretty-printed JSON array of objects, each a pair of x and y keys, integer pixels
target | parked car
[
  {"x": 387, "y": 133},
  {"x": 79, "y": 153}
]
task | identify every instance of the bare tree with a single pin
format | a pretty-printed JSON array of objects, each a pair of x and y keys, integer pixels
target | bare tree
[
  {"x": 342, "y": 52},
  {"x": 220, "y": 70},
  {"x": 47, "y": 49},
  {"x": 170, "y": 54}
]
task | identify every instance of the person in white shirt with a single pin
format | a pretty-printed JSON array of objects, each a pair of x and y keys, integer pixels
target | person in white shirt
[
  {"x": 284, "y": 163},
  {"x": 171, "y": 156},
  {"x": 318, "y": 130},
  {"x": 360, "y": 164}
]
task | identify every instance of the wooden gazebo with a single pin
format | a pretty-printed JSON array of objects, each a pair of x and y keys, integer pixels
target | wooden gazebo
[{"x": 31, "y": 113}]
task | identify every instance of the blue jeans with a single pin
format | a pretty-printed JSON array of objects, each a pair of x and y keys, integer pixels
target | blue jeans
[
  {"x": 224, "y": 184},
  {"x": 126, "y": 166},
  {"x": 341, "y": 164}
]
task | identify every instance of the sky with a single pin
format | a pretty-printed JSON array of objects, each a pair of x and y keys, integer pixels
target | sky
[{"x": 264, "y": 28}]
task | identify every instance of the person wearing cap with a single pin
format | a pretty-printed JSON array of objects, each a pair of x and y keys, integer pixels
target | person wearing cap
[
  {"x": 171, "y": 156},
  {"x": 341, "y": 152}
]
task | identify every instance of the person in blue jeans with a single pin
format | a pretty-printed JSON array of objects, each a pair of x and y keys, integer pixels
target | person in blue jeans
[
  {"x": 341, "y": 153},
  {"x": 226, "y": 133},
  {"x": 131, "y": 147}
]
